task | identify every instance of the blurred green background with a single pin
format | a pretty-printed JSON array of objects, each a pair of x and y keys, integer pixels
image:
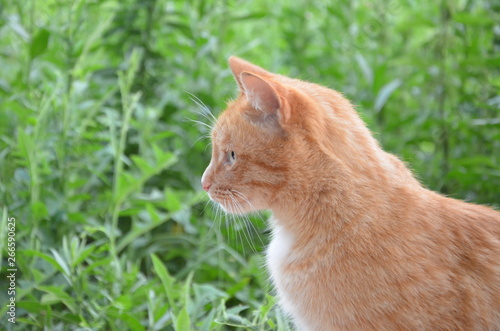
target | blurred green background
[{"x": 100, "y": 160}]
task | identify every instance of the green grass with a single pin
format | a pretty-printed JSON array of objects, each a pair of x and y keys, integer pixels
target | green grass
[{"x": 100, "y": 162}]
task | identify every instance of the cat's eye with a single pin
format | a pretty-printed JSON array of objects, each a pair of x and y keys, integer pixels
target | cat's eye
[{"x": 231, "y": 157}]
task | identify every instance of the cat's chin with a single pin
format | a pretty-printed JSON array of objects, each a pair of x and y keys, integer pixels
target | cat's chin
[
  {"x": 240, "y": 209},
  {"x": 232, "y": 210}
]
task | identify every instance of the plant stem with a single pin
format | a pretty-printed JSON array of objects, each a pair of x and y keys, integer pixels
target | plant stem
[{"x": 445, "y": 143}]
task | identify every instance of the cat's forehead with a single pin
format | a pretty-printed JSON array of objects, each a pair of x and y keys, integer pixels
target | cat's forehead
[
  {"x": 218, "y": 135},
  {"x": 222, "y": 131},
  {"x": 228, "y": 125}
]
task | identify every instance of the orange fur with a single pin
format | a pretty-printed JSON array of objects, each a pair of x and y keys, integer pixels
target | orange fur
[{"x": 358, "y": 243}]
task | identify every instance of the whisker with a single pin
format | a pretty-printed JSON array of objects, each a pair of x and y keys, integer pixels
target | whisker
[
  {"x": 230, "y": 221},
  {"x": 219, "y": 243},
  {"x": 234, "y": 234},
  {"x": 199, "y": 122},
  {"x": 242, "y": 196},
  {"x": 205, "y": 110},
  {"x": 237, "y": 220},
  {"x": 206, "y": 205},
  {"x": 220, "y": 219},
  {"x": 206, "y": 146},
  {"x": 245, "y": 220},
  {"x": 246, "y": 231},
  {"x": 213, "y": 221},
  {"x": 206, "y": 113},
  {"x": 248, "y": 235},
  {"x": 236, "y": 225},
  {"x": 200, "y": 138}
]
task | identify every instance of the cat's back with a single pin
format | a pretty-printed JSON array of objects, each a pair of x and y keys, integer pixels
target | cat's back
[
  {"x": 470, "y": 240},
  {"x": 477, "y": 219},
  {"x": 475, "y": 245}
]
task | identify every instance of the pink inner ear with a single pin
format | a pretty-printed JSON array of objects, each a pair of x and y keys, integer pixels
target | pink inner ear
[{"x": 260, "y": 93}]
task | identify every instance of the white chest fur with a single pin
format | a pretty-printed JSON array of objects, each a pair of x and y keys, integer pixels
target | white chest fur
[
  {"x": 279, "y": 254},
  {"x": 295, "y": 289},
  {"x": 279, "y": 250}
]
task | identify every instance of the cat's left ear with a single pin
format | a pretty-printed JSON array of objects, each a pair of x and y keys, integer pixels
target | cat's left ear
[{"x": 264, "y": 96}]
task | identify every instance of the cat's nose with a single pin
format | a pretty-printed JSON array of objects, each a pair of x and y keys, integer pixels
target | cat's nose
[
  {"x": 205, "y": 183},
  {"x": 206, "y": 187}
]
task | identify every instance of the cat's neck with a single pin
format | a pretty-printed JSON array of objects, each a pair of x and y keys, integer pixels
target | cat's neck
[{"x": 333, "y": 202}]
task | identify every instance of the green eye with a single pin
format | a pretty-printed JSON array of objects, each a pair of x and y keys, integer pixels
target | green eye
[{"x": 233, "y": 155}]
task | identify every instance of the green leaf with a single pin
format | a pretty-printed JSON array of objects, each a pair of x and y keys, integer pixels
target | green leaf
[
  {"x": 47, "y": 258},
  {"x": 250, "y": 16},
  {"x": 187, "y": 289},
  {"x": 39, "y": 211},
  {"x": 32, "y": 307},
  {"x": 208, "y": 321},
  {"x": 131, "y": 322},
  {"x": 183, "y": 322},
  {"x": 208, "y": 293},
  {"x": 482, "y": 61},
  {"x": 166, "y": 279},
  {"x": 486, "y": 121},
  {"x": 3, "y": 231},
  {"x": 55, "y": 295},
  {"x": 39, "y": 43},
  {"x": 385, "y": 93},
  {"x": 142, "y": 164},
  {"x": 477, "y": 19},
  {"x": 124, "y": 302},
  {"x": 172, "y": 201},
  {"x": 62, "y": 262},
  {"x": 180, "y": 27},
  {"x": 83, "y": 255},
  {"x": 154, "y": 214},
  {"x": 365, "y": 67}
]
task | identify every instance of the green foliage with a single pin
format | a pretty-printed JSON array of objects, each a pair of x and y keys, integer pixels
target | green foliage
[{"x": 100, "y": 165}]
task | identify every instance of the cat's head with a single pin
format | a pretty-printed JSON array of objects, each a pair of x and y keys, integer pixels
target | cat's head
[{"x": 274, "y": 140}]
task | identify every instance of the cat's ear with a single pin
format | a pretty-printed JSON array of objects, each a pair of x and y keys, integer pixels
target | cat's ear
[
  {"x": 263, "y": 95},
  {"x": 238, "y": 66}
]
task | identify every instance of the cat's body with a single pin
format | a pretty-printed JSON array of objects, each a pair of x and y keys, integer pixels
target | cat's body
[
  {"x": 358, "y": 243},
  {"x": 402, "y": 274}
]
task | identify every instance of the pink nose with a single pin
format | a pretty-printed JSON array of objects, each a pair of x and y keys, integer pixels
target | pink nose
[{"x": 206, "y": 186}]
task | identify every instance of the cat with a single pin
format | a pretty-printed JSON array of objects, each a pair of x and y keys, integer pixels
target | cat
[{"x": 357, "y": 242}]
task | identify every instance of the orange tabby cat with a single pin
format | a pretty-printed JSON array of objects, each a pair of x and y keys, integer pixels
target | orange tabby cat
[{"x": 358, "y": 243}]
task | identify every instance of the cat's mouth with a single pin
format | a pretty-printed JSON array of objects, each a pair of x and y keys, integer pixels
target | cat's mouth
[{"x": 232, "y": 201}]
